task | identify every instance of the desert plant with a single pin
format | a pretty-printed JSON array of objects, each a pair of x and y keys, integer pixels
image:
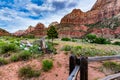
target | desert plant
[
  {"x": 117, "y": 43},
  {"x": 112, "y": 65},
  {"x": 66, "y": 48},
  {"x": 14, "y": 58},
  {"x": 8, "y": 47},
  {"x": 24, "y": 55},
  {"x": 47, "y": 64},
  {"x": 3, "y": 61},
  {"x": 50, "y": 46},
  {"x": 90, "y": 38},
  {"x": 65, "y": 39},
  {"x": 101, "y": 40},
  {"x": 28, "y": 72}
]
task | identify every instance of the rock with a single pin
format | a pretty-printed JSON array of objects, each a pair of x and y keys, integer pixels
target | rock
[
  {"x": 19, "y": 33},
  {"x": 4, "y": 32}
]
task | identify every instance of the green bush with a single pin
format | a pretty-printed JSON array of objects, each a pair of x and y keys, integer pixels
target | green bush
[
  {"x": 3, "y": 61},
  {"x": 35, "y": 49},
  {"x": 101, "y": 40},
  {"x": 28, "y": 72},
  {"x": 90, "y": 38},
  {"x": 24, "y": 55},
  {"x": 8, "y": 47},
  {"x": 117, "y": 43},
  {"x": 50, "y": 46},
  {"x": 66, "y": 48},
  {"x": 30, "y": 36},
  {"x": 47, "y": 64},
  {"x": 65, "y": 39},
  {"x": 94, "y": 39}
]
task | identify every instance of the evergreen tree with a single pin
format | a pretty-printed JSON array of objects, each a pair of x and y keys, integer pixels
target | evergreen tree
[{"x": 52, "y": 33}]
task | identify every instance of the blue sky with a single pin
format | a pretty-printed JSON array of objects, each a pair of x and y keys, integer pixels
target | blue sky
[{"x": 19, "y": 14}]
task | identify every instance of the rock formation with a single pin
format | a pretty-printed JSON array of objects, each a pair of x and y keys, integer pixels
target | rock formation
[
  {"x": 39, "y": 30},
  {"x": 19, "y": 33},
  {"x": 103, "y": 9},
  {"x": 4, "y": 32}
]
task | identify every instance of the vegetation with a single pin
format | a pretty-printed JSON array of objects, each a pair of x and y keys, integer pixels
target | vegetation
[
  {"x": 50, "y": 47},
  {"x": 47, "y": 64},
  {"x": 8, "y": 48},
  {"x": 3, "y": 61},
  {"x": 66, "y": 48},
  {"x": 92, "y": 38},
  {"x": 28, "y": 72},
  {"x": 113, "y": 66},
  {"x": 52, "y": 33},
  {"x": 24, "y": 55},
  {"x": 87, "y": 51},
  {"x": 117, "y": 43},
  {"x": 65, "y": 39}
]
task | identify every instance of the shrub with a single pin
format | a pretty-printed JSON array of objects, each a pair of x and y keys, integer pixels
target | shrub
[
  {"x": 116, "y": 43},
  {"x": 28, "y": 72},
  {"x": 94, "y": 39},
  {"x": 35, "y": 49},
  {"x": 14, "y": 58},
  {"x": 8, "y": 47},
  {"x": 112, "y": 65},
  {"x": 47, "y": 64},
  {"x": 101, "y": 40},
  {"x": 3, "y": 61},
  {"x": 50, "y": 46},
  {"x": 74, "y": 40},
  {"x": 65, "y": 39},
  {"x": 66, "y": 48},
  {"x": 24, "y": 55},
  {"x": 90, "y": 38}
]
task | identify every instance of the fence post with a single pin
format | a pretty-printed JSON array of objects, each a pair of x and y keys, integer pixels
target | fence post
[
  {"x": 84, "y": 68},
  {"x": 72, "y": 63}
]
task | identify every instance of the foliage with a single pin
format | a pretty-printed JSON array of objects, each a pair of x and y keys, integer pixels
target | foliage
[
  {"x": 35, "y": 49},
  {"x": 112, "y": 65},
  {"x": 47, "y": 64},
  {"x": 3, "y": 61},
  {"x": 8, "y": 47},
  {"x": 117, "y": 43},
  {"x": 66, "y": 48},
  {"x": 101, "y": 40},
  {"x": 52, "y": 33},
  {"x": 50, "y": 46},
  {"x": 92, "y": 38},
  {"x": 28, "y": 72},
  {"x": 65, "y": 39},
  {"x": 30, "y": 36}
]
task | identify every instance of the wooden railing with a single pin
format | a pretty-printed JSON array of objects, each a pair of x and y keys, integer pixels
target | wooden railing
[{"x": 80, "y": 65}]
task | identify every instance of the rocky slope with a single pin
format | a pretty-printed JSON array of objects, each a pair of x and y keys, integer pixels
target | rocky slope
[
  {"x": 4, "y": 32},
  {"x": 103, "y": 9},
  {"x": 37, "y": 31}
]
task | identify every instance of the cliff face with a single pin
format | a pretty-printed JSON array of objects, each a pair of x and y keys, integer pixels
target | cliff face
[
  {"x": 4, "y": 32},
  {"x": 103, "y": 9},
  {"x": 39, "y": 30}
]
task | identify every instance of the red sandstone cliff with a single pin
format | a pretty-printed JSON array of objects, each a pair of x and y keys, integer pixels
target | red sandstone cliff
[
  {"x": 70, "y": 25},
  {"x": 102, "y": 9}
]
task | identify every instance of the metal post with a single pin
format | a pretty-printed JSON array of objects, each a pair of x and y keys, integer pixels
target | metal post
[
  {"x": 72, "y": 63},
  {"x": 84, "y": 68}
]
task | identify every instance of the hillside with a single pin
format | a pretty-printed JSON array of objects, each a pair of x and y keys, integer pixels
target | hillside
[{"x": 4, "y": 32}]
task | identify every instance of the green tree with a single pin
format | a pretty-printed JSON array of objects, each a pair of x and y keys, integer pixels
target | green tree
[{"x": 52, "y": 33}]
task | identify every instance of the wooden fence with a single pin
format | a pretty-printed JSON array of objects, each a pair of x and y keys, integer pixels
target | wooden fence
[{"x": 80, "y": 65}]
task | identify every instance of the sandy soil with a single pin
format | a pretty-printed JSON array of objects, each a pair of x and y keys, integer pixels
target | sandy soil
[{"x": 60, "y": 70}]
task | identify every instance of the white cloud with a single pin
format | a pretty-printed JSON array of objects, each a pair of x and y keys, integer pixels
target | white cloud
[{"x": 15, "y": 20}]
